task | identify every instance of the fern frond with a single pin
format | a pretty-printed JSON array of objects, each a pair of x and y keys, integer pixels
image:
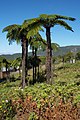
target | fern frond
[{"x": 64, "y": 24}]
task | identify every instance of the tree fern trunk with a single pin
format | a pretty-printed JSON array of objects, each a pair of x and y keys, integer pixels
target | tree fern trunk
[
  {"x": 26, "y": 61},
  {"x": 23, "y": 63},
  {"x": 48, "y": 56},
  {"x": 38, "y": 72},
  {"x": 26, "y": 58},
  {"x": 33, "y": 64}
]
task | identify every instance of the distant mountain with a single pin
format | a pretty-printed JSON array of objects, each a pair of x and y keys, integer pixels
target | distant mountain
[
  {"x": 60, "y": 51},
  {"x": 11, "y": 57},
  {"x": 65, "y": 49}
]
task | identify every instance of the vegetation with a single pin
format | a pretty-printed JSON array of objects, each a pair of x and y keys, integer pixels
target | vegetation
[
  {"x": 47, "y": 94},
  {"x": 43, "y": 101},
  {"x": 15, "y": 33},
  {"x": 49, "y": 21},
  {"x": 19, "y": 33}
]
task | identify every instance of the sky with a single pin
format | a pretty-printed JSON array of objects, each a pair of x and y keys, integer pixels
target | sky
[{"x": 16, "y": 11}]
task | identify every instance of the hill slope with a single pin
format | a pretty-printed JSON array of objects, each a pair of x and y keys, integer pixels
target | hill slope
[{"x": 60, "y": 51}]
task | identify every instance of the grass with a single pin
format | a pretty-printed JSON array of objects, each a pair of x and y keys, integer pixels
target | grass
[{"x": 66, "y": 87}]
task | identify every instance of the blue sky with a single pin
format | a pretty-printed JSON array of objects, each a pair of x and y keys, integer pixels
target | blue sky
[{"x": 16, "y": 11}]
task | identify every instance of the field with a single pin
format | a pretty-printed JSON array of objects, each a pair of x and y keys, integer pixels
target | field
[{"x": 41, "y": 101}]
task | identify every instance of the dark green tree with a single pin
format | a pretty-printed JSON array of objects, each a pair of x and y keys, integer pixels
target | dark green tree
[
  {"x": 68, "y": 56},
  {"x": 6, "y": 64},
  {"x": 17, "y": 64},
  {"x": 18, "y": 34},
  {"x": 78, "y": 55},
  {"x": 49, "y": 21},
  {"x": 35, "y": 44}
]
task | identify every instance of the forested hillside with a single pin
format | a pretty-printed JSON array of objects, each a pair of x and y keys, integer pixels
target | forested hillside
[{"x": 60, "y": 51}]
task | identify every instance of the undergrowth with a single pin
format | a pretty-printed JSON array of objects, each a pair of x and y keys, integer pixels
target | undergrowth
[{"x": 41, "y": 101}]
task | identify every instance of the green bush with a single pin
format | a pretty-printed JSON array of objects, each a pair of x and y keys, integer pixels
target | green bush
[{"x": 7, "y": 110}]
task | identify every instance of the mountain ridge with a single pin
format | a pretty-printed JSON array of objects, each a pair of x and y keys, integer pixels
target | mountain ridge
[{"x": 61, "y": 51}]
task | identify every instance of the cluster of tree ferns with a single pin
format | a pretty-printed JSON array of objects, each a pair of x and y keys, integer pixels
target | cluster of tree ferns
[{"x": 28, "y": 33}]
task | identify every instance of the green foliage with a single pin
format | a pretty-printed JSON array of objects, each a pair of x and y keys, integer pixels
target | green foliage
[
  {"x": 43, "y": 59},
  {"x": 21, "y": 94},
  {"x": 16, "y": 63},
  {"x": 33, "y": 116},
  {"x": 68, "y": 56},
  {"x": 63, "y": 95},
  {"x": 7, "y": 110},
  {"x": 35, "y": 61},
  {"x": 78, "y": 56},
  {"x": 50, "y": 21}
]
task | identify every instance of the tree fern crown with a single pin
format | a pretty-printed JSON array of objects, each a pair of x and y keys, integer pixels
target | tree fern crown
[{"x": 51, "y": 20}]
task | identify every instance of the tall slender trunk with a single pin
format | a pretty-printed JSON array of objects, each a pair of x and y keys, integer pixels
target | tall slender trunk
[
  {"x": 19, "y": 71},
  {"x": 7, "y": 76},
  {"x": 26, "y": 57},
  {"x": 23, "y": 62},
  {"x": 38, "y": 72},
  {"x": 6, "y": 66},
  {"x": 48, "y": 56},
  {"x": 33, "y": 64}
]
